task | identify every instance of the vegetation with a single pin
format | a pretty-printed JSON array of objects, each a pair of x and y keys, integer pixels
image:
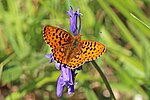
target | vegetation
[{"x": 123, "y": 26}]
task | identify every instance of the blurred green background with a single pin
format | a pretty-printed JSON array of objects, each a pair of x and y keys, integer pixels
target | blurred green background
[{"x": 26, "y": 74}]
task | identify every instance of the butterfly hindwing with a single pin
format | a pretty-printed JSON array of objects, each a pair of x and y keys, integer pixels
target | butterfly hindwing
[{"x": 91, "y": 50}]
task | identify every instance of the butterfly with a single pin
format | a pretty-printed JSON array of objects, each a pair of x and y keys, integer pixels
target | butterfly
[{"x": 71, "y": 50}]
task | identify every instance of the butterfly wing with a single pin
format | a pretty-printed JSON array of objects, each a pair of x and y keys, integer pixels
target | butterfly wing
[
  {"x": 57, "y": 39},
  {"x": 90, "y": 50},
  {"x": 76, "y": 61}
]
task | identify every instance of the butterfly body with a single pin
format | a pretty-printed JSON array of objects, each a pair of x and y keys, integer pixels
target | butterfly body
[{"x": 70, "y": 50}]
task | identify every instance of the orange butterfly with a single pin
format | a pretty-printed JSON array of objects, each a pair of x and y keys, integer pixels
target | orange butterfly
[{"x": 70, "y": 50}]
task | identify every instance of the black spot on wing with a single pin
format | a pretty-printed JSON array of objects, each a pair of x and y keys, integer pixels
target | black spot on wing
[
  {"x": 48, "y": 42},
  {"x": 87, "y": 48},
  {"x": 84, "y": 52},
  {"x": 59, "y": 43},
  {"x": 65, "y": 40},
  {"x": 85, "y": 43},
  {"x": 63, "y": 35},
  {"x": 66, "y": 35},
  {"x": 60, "y": 38},
  {"x": 53, "y": 34},
  {"x": 88, "y": 43},
  {"x": 94, "y": 44},
  {"x": 91, "y": 44},
  {"x": 57, "y": 30},
  {"x": 60, "y": 33},
  {"x": 56, "y": 36}
]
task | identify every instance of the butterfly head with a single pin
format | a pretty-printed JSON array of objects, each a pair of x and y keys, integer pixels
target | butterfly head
[{"x": 78, "y": 37}]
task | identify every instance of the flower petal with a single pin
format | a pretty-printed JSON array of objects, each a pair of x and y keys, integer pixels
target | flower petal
[
  {"x": 50, "y": 56},
  {"x": 73, "y": 20},
  {"x": 67, "y": 75},
  {"x": 70, "y": 89},
  {"x": 60, "y": 86},
  {"x": 70, "y": 12},
  {"x": 57, "y": 65}
]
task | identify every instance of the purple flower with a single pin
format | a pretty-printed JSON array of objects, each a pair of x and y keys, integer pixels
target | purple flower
[
  {"x": 73, "y": 20},
  {"x": 50, "y": 56},
  {"x": 66, "y": 78},
  {"x": 67, "y": 75}
]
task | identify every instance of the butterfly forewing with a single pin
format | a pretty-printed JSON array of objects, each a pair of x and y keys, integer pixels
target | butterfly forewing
[
  {"x": 57, "y": 39},
  {"x": 91, "y": 50}
]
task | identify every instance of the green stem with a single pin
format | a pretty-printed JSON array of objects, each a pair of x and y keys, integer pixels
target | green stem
[{"x": 104, "y": 79}]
